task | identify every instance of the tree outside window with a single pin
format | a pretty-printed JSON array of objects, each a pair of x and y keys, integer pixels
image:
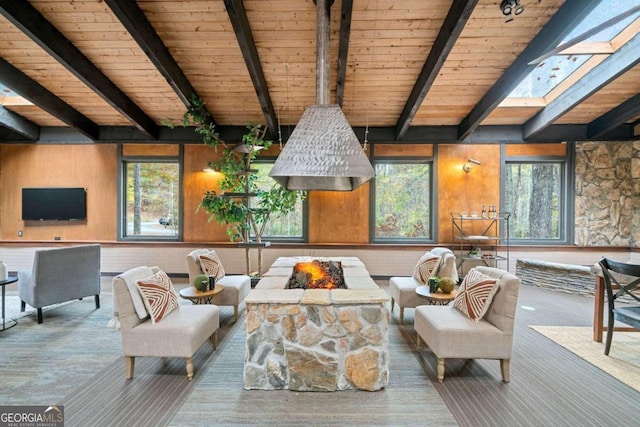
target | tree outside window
[
  {"x": 533, "y": 196},
  {"x": 152, "y": 199},
  {"x": 288, "y": 226},
  {"x": 402, "y": 203}
]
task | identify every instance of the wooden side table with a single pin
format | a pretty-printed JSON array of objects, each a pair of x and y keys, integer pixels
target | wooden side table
[
  {"x": 436, "y": 298},
  {"x": 200, "y": 297}
]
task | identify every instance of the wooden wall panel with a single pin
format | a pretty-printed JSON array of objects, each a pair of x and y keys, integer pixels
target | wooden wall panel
[
  {"x": 403, "y": 150},
  {"x": 93, "y": 167},
  {"x": 466, "y": 191},
  {"x": 168, "y": 150},
  {"x": 339, "y": 217},
  {"x": 535, "y": 150},
  {"x": 197, "y": 227}
]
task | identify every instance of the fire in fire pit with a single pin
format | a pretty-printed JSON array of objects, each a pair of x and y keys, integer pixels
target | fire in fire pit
[{"x": 317, "y": 275}]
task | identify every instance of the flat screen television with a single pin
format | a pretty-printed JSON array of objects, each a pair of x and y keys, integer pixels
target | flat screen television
[{"x": 61, "y": 204}]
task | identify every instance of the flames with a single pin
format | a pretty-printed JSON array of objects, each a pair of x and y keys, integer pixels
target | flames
[{"x": 317, "y": 276}]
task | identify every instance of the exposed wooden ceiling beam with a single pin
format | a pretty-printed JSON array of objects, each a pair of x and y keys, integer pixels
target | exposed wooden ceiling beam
[
  {"x": 31, "y": 90},
  {"x": 608, "y": 70},
  {"x": 137, "y": 24},
  {"x": 343, "y": 48},
  {"x": 33, "y": 24},
  {"x": 558, "y": 27},
  {"x": 452, "y": 26},
  {"x": 508, "y": 134},
  {"x": 238, "y": 16},
  {"x": 19, "y": 124},
  {"x": 614, "y": 118}
]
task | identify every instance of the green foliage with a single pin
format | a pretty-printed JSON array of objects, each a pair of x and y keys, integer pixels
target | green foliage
[{"x": 237, "y": 213}]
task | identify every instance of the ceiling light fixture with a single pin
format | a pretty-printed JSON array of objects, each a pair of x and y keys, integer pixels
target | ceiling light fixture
[
  {"x": 469, "y": 165},
  {"x": 510, "y": 8}
]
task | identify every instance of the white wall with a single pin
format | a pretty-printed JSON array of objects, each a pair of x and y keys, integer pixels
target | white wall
[{"x": 378, "y": 260}]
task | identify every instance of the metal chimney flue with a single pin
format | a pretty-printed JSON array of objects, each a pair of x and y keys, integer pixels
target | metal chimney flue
[{"x": 323, "y": 152}]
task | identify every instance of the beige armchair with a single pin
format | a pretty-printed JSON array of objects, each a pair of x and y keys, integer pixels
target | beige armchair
[
  {"x": 403, "y": 289},
  {"x": 451, "y": 334},
  {"x": 180, "y": 334},
  {"x": 236, "y": 287}
]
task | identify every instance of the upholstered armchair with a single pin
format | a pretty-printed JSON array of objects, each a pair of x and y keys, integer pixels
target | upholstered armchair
[
  {"x": 179, "y": 334},
  {"x": 403, "y": 289},
  {"x": 236, "y": 287},
  {"x": 468, "y": 328}
]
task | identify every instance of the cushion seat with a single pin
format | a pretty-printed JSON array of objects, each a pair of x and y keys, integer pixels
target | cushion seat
[
  {"x": 451, "y": 334},
  {"x": 179, "y": 334}
]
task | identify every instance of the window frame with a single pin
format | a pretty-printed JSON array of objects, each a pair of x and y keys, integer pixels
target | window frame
[
  {"x": 567, "y": 196},
  {"x": 305, "y": 211},
  {"x": 123, "y": 161},
  {"x": 433, "y": 206}
]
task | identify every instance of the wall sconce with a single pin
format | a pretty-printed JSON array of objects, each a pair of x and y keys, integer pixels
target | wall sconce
[
  {"x": 469, "y": 165},
  {"x": 211, "y": 167},
  {"x": 509, "y": 7}
]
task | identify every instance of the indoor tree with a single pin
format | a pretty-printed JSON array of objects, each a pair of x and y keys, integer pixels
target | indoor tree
[{"x": 229, "y": 204}]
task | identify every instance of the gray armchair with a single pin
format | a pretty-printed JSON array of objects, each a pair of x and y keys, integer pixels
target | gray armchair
[
  {"x": 451, "y": 334},
  {"x": 60, "y": 275}
]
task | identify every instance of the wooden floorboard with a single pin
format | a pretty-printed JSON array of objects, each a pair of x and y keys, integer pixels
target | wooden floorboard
[{"x": 550, "y": 386}]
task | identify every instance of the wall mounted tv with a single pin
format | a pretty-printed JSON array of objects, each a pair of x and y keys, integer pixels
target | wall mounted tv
[{"x": 62, "y": 204}]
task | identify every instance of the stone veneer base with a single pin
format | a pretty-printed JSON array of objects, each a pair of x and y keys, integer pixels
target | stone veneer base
[{"x": 317, "y": 339}]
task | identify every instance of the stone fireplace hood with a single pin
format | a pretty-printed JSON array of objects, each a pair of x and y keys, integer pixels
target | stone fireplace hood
[{"x": 323, "y": 152}]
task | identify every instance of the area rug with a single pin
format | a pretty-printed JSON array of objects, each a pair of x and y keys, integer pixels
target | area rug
[
  {"x": 410, "y": 399},
  {"x": 623, "y": 362}
]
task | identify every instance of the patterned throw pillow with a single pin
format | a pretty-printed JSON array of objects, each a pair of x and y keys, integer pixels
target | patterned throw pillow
[
  {"x": 211, "y": 265},
  {"x": 425, "y": 267},
  {"x": 475, "y": 294},
  {"x": 158, "y": 295}
]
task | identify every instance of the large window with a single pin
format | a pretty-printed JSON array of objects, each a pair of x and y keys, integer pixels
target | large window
[
  {"x": 290, "y": 226},
  {"x": 402, "y": 201},
  {"x": 151, "y": 199},
  {"x": 534, "y": 196}
]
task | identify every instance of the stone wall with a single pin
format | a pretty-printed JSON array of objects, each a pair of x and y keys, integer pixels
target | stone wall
[
  {"x": 319, "y": 343},
  {"x": 607, "y": 194},
  {"x": 576, "y": 279}
]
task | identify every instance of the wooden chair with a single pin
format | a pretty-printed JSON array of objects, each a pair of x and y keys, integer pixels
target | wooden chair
[{"x": 628, "y": 314}]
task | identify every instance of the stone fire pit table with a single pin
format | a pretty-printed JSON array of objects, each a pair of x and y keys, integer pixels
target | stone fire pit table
[{"x": 316, "y": 339}]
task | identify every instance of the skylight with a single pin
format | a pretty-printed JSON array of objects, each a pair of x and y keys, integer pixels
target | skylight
[{"x": 554, "y": 70}]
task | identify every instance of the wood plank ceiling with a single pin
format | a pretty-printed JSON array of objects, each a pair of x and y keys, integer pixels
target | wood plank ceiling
[{"x": 406, "y": 70}]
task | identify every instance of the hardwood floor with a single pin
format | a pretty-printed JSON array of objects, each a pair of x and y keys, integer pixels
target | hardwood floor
[{"x": 550, "y": 386}]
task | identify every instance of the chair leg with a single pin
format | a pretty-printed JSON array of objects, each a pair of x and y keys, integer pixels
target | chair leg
[
  {"x": 504, "y": 369},
  {"x": 418, "y": 342},
  {"x": 129, "y": 365},
  {"x": 189, "y": 368},
  {"x": 97, "y": 301},
  {"x": 214, "y": 340},
  {"x": 392, "y": 301},
  {"x": 40, "y": 315},
  {"x": 235, "y": 313},
  {"x": 607, "y": 345},
  {"x": 23, "y": 305},
  {"x": 401, "y": 314},
  {"x": 440, "y": 369}
]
